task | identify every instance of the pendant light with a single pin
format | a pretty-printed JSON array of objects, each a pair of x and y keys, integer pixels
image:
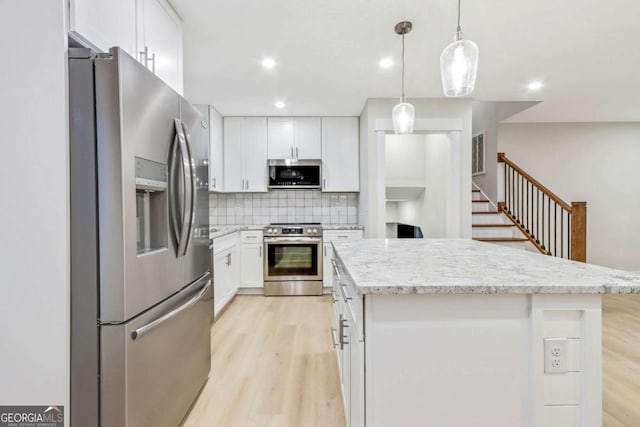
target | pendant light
[
  {"x": 403, "y": 114},
  {"x": 459, "y": 64}
]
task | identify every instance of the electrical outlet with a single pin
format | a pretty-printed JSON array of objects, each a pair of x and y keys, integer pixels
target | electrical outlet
[{"x": 555, "y": 355}]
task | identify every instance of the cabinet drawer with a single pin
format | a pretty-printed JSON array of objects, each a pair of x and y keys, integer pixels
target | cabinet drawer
[
  {"x": 251, "y": 236},
  {"x": 331, "y": 235},
  {"x": 224, "y": 243}
]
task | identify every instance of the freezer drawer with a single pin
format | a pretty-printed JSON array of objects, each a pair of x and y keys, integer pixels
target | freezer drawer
[{"x": 154, "y": 366}]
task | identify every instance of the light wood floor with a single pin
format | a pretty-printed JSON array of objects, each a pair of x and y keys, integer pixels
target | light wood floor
[
  {"x": 272, "y": 364},
  {"x": 621, "y": 360}
]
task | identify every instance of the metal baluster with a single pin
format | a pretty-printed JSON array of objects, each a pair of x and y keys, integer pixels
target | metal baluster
[
  {"x": 548, "y": 225},
  {"x": 538, "y": 215},
  {"x": 561, "y": 233},
  {"x": 531, "y": 210},
  {"x": 568, "y": 235},
  {"x": 555, "y": 227}
]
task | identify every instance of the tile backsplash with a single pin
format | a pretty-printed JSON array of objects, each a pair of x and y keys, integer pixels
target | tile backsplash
[{"x": 283, "y": 206}]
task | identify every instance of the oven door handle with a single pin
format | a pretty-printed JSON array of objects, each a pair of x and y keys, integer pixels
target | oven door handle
[{"x": 300, "y": 240}]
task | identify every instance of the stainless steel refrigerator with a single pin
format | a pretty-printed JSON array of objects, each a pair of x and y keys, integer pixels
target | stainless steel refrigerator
[{"x": 141, "y": 296}]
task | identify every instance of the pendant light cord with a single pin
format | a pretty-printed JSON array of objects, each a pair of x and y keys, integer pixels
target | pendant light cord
[
  {"x": 403, "y": 97},
  {"x": 459, "y": 28}
]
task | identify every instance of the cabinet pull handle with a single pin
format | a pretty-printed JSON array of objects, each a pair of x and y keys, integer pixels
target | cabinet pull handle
[
  {"x": 144, "y": 55},
  {"x": 334, "y": 296},
  {"x": 292, "y": 151},
  {"x": 296, "y": 152},
  {"x": 260, "y": 251},
  {"x": 333, "y": 338},
  {"x": 343, "y": 291},
  {"x": 325, "y": 250},
  {"x": 214, "y": 182},
  {"x": 343, "y": 322},
  {"x": 153, "y": 62},
  {"x": 324, "y": 184},
  {"x": 247, "y": 184}
]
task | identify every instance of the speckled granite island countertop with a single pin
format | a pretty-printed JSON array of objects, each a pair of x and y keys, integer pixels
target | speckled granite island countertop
[{"x": 462, "y": 266}]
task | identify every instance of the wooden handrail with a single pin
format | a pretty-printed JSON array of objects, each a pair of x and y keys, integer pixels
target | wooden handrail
[
  {"x": 526, "y": 210},
  {"x": 564, "y": 205}
]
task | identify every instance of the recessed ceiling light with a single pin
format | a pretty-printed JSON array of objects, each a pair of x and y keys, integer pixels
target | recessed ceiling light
[
  {"x": 535, "y": 85},
  {"x": 386, "y": 63},
  {"x": 268, "y": 63},
  {"x": 280, "y": 104}
]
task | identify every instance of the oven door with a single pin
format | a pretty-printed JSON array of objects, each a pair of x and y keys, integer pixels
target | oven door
[{"x": 292, "y": 258}]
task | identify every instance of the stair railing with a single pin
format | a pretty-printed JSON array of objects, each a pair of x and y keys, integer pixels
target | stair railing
[{"x": 552, "y": 225}]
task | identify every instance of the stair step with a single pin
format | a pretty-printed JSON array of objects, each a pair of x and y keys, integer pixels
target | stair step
[
  {"x": 481, "y": 201},
  {"x": 501, "y": 239},
  {"x": 493, "y": 225},
  {"x": 485, "y": 213},
  {"x": 473, "y": 190}
]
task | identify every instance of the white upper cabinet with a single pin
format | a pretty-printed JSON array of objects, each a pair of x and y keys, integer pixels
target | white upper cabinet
[
  {"x": 294, "y": 138},
  {"x": 255, "y": 154},
  {"x": 281, "y": 137},
  {"x": 245, "y": 154},
  {"x": 103, "y": 24},
  {"x": 307, "y": 138},
  {"x": 340, "y": 154},
  {"x": 233, "y": 154},
  {"x": 212, "y": 122},
  {"x": 160, "y": 41},
  {"x": 148, "y": 30},
  {"x": 216, "y": 151}
]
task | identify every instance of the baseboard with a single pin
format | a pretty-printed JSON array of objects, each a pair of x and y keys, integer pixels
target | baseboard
[{"x": 251, "y": 291}]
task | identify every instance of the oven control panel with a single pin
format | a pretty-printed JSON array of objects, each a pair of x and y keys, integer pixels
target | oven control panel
[{"x": 293, "y": 230}]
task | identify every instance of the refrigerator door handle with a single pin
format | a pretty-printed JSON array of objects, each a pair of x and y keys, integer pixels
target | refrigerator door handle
[
  {"x": 192, "y": 191},
  {"x": 141, "y": 331},
  {"x": 176, "y": 191},
  {"x": 186, "y": 186}
]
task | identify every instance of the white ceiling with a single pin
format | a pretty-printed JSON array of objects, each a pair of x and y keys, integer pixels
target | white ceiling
[{"x": 586, "y": 52}]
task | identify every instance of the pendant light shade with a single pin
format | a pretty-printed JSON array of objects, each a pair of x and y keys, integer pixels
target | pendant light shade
[
  {"x": 404, "y": 117},
  {"x": 459, "y": 65},
  {"x": 403, "y": 114}
]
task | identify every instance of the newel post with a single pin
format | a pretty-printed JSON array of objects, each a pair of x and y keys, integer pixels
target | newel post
[
  {"x": 579, "y": 231},
  {"x": 501, "y": 179}
]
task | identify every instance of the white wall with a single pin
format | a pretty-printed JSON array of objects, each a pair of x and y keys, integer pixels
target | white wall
[
  {"x": 34, "y": 247},
  {"x": 487, "y": 116},
  {"x": 593, "y": 162},
  {"x": 372, "y": 161}
]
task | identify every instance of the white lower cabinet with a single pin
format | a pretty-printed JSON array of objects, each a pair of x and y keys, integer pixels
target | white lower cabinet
[
  {"x": 348, "y": 339},
  {"x": 329, "y": 236},
  {"x": 251, "y": 259},
  {"x": 226, "y": 271}
]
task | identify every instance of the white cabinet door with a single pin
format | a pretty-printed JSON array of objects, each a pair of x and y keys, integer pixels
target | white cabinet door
[
  {"x": 308, "y": 142},
  {"x": 161, "y": 35},
  {"x": 327, "y": 266},
  {"x": 281, "y": 138},
  {"x": 220, "y": 282},
  {"x": 233, "y": 154},
  {"x": 340, "y": 154},
  {"x": 255, "y": 154},
  {"x": 234, "y": 270},
  {"x": 104, "y": 23},
  {"x": 346, "y": 364},
  {"x": 252, "y": 266},
  {"x": 216, "y": 152}
]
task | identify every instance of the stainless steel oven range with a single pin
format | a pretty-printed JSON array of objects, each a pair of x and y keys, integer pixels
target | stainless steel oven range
[{"x": 293, "y": 261}]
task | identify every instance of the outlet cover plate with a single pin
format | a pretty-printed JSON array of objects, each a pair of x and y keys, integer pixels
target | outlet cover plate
[{"x": 555, "y": 355}]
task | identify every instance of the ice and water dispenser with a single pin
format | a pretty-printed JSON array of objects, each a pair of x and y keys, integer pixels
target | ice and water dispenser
[{"x": 151, "y": 205}]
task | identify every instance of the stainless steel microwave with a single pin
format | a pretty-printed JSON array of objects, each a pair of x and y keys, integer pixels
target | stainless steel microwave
[{"x": 295, "y": 174}]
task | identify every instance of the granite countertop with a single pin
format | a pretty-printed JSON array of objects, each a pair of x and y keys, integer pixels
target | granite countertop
[
  {"x": 342, "y": 227},
  {"x": 216, "y": 231},
  {"x": 464, "y": 266}
]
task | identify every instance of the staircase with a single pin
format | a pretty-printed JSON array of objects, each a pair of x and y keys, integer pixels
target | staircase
[
  {"x": 529, "y": 216},
  {"x": 490, "y": 225}
]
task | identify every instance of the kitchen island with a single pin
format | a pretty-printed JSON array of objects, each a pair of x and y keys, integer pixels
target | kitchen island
[{"x": 448, "y": 332}]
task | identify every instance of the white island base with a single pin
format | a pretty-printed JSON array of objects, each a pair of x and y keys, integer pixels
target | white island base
[
  {"x": 451, "y": 333},
  {"x": 478, "y": 360}
]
